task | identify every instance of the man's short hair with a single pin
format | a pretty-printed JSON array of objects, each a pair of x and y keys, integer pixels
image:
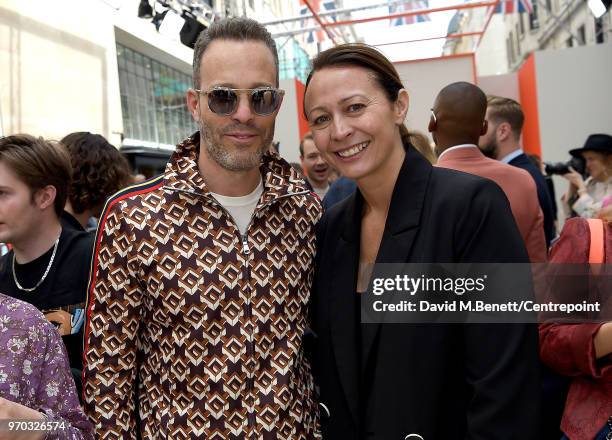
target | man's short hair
[
  {"x": 38, "y": 163},
  {"x": 98, "y": 170},
  {"x": 506, "y": 110},
  {"x": 307, "y": 136},
  {"x": 237, "y": 29}
]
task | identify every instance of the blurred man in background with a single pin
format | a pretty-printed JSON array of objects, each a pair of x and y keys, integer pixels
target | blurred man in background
[
  {"x": 502, "y": 142},
  {"x": 48, "y": 265},
  {"x": 317, "y": 172}
]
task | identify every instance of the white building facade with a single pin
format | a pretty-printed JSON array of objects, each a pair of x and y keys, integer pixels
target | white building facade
[
  {"x": 511, "y": 37},
  {"x": 95, "y": 65}
]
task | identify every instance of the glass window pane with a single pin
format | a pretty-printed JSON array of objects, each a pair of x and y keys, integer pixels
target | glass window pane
[{"x": 152, "y": 99}]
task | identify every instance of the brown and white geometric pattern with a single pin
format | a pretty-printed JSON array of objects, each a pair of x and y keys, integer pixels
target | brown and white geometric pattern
[{"x": 208, "y": 330}]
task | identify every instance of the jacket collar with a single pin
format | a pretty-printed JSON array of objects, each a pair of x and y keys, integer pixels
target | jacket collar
[
  {"x": 400, "y": 233},
  {"x": 182, "y": 173},
  {"x": 406, "y": 201},
  {"x": 461, "y": 152}
]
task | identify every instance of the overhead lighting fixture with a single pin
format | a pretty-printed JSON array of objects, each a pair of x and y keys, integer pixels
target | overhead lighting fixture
[
  {"x": 597, "y": 8},
  {"x": 145, "y": 10},
  {"x": 171, "y": 25},
  {"x": 158, "y": 19},
  {"x": 191, "y": 29}
]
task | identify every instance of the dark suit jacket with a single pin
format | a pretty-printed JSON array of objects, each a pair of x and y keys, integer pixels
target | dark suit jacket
[
  {"x": 522, "y": 161},
  {"x": 338, "y": 191},
  {"x": 441, "y": 381}
]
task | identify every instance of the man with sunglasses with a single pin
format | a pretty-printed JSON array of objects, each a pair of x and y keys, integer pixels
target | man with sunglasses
[{"x": 197, "y": 301}]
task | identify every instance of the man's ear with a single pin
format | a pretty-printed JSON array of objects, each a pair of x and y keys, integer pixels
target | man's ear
[
  {"x": 45, "y": 197},
  {"x": 485, "y": 128},
  {"x": 431, "y": 127},
  {"x": 193, "y": 104},
  {"x": 503, "y": 131}
]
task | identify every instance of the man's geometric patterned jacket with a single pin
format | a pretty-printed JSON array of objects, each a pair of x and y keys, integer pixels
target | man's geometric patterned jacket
[{"x": 193, "y": 330}]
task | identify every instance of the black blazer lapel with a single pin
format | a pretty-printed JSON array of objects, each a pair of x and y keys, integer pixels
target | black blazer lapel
[
  {"x": 402, "y": 224},
  {"x": 343, "y": 303}
]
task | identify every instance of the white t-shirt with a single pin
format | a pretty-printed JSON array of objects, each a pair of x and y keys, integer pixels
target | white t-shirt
[{"x": 241, "y": 208}]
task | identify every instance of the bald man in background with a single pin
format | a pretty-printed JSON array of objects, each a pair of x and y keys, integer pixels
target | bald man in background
[{"x": 456, "y": 123}]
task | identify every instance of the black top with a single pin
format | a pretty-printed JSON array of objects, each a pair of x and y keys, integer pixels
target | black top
[
  {"x": 69, "y": 221},
  {"x": 62, "y": 295}
]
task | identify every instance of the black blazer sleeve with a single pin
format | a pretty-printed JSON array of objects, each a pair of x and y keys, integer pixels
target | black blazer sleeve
[{"x": 501, "y": 360}]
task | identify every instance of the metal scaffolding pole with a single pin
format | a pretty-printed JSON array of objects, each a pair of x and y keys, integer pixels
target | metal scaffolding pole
[
  {"x": 323, "y": 24},
  {"x": 410, "y": 13},
  {"x": 333, "y": 12}
]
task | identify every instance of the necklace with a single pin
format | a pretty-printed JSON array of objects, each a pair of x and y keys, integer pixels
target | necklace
[{"x": 32, "y": 289}]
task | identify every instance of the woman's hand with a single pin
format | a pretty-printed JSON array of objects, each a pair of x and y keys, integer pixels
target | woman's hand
[
  {"x": 575, "y": 179},
  {"x": 12, "y": 411},
  {"x": 606, "y": 214}
]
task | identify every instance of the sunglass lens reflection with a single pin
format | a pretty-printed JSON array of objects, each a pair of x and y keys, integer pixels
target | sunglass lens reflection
[
  {"x": 223, "y": 101},
  {"x": 264, "y": 101}
]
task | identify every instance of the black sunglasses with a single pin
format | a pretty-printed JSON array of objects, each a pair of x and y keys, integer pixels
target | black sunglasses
[{"x": 224, "y": 100}]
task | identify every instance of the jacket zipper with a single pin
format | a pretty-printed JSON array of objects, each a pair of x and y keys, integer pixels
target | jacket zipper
[
  {"x": 246, "y": 251},
  {"x": 250, "y": 341}
]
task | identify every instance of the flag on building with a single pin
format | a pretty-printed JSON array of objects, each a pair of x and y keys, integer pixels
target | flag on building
[
  {"x": 406, "y": 6},
  {"x": 510, "y": 6},
  {"x": 319, "y": 35},
  {"x": 330, "y": 5}
]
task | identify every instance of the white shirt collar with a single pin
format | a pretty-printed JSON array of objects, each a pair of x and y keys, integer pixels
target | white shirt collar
[
  {"x": 508, "y": 157},
  {"x": 456, "y": 147}
]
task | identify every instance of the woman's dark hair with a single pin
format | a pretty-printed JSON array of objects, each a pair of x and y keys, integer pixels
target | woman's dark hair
[
  {"x": 98, "y": 170},
  {"x": 362, "y": 55}
]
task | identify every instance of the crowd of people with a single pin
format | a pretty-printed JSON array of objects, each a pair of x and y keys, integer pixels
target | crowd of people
[{"x": 222, "y": 299}]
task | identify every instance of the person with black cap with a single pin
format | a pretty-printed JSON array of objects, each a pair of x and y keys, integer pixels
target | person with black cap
[{"x": 584, "y": 198}]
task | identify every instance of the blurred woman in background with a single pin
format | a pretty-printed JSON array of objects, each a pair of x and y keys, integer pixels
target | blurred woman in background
[
  {"x": 584, "y": 198},
  {"x": 582, "y": 351}
]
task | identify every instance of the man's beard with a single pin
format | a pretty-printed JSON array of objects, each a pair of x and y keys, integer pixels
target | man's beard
[
  {"x": 232, "y": 160},
  {"x": 490, "y": 149},
  {"x": 438, "y": 151}
]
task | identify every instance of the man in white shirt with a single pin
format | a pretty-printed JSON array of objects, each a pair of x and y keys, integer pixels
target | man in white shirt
[{"x": 457, "y": 120}]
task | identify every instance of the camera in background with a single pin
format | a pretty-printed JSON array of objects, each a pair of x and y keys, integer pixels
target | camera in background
[{"x": 559, "y": 168}]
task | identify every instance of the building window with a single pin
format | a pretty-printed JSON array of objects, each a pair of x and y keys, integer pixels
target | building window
[
  {"x": 599, "y": 32},
  {"x": 570, "y": 42},
  {"x": 521, "y": 25},
  {"x": 152, "y": 99},
  {"x": 518, "y": 43},
  {"x": 511, "y": 49},
  {"x": 581, "y": 35},
  {"x": 533, "y": 17},
  {"x": 548, "y": 4},
  {"x": 252, "y": 4}
]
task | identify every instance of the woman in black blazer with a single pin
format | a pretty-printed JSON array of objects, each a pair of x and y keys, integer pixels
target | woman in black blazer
[{"x": 407, "y": 381}]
